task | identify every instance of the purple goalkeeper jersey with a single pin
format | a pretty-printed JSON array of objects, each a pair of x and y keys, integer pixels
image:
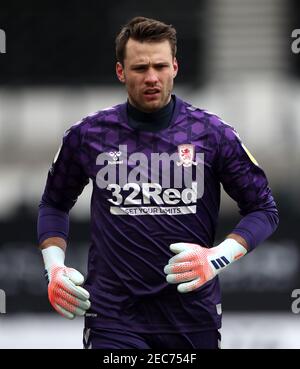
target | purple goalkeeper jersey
[{"x": 151, "y": 189}]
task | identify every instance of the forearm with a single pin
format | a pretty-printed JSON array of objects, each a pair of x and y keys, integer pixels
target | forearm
[
  {"x": 239, "y": 239},
  {"x": 53, "y": 241},
  {"x": 52, "y": 226},
  {"x": 255, "y": 227}
]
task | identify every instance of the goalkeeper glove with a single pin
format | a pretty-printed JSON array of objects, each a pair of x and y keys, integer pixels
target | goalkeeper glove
[
  {"x": 195, "y": 265},
  {"x": 64, "y": 293}
]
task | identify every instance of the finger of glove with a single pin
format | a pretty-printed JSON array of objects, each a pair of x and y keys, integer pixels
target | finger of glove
[
  {"x": 189, "y": 286},
  {"x": 182, "y": 277},
  {"x": 83, "y": 304},
  {"x": 70, "y": 307},
  {"x": 63, "y": 312},
  {"x": 184, "y": 256},
  {"x": 76, "y": 277},
  {"x": 67, "y": 285},
  {"x": 181, "y": 246},
  {"x": 178, "y": 267},
  {"x": 84, "y": 292}
]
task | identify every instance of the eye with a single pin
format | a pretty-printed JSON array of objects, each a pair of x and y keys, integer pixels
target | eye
[
  {"x": 140, "y": 68},
  {"x": 161, "y": 66},
  {"x": 118, "y": 153},
  {"x": 111, "y": 153}
]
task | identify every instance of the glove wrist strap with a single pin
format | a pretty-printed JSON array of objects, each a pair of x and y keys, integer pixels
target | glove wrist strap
[
  {"x": 226, "y": 253},
  {"x": 53, "y": 255}
]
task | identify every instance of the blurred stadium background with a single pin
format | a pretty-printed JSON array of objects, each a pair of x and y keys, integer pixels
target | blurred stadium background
[{"x": 235, "y": 60}]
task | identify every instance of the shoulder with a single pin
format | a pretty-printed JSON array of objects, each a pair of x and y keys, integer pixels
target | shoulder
[
  {"x": 93, "y": 119},
  {"x": 204, "y": 120}
]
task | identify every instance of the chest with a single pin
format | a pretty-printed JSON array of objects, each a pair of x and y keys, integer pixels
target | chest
[{"x": 118, "y": 149}]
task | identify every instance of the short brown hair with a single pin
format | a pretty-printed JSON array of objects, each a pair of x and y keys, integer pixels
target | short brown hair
[{"x": 145, "y": 29}]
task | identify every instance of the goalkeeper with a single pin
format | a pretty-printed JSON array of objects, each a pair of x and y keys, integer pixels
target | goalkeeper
[{"x": 152, "y": 279}]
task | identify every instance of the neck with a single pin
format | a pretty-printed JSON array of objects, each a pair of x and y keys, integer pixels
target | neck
[
  {"x": 143, "y": 116},
  {"x": 153, "y": 121}
]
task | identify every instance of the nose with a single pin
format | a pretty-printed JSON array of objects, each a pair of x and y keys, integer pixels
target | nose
[{"x": 151, "y": 77}]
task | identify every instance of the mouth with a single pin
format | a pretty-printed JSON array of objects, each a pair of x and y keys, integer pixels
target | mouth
[{"x": 151, "y": 91}]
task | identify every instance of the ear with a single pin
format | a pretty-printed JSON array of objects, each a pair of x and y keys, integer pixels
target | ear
[
  {"x": 175, "y": 67},
  {"x": 120, "y": 72}
]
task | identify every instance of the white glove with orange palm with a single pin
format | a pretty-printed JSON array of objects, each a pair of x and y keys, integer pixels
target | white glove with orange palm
[
  {"x": 195, "y": 265},
  {"x": 64, "y": 291}
]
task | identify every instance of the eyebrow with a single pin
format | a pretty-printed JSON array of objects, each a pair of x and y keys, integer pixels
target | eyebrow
[{"x": 140, "y": 65}]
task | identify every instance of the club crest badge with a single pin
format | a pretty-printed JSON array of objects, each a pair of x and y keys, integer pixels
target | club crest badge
[{"x": 186, "y": 153}]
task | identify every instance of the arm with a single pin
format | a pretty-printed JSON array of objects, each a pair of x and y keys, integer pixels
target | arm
[
  {"x": 246, "y": 183},
  {"x": 66, "y": 180}
]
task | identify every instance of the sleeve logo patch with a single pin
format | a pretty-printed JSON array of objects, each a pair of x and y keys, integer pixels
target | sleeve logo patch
[
  {"x": 57, "y": 154},
  {"x": 251, "y": 157}
]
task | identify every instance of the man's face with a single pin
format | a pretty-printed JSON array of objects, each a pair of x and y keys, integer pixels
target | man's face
[{"x": 148, "y": 73}]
